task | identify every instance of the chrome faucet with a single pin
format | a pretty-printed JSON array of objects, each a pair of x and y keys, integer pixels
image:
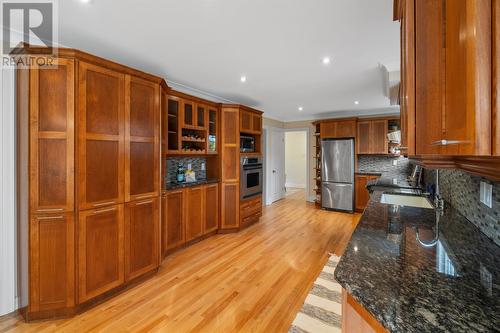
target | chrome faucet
[{"x": 438, "y": 199}]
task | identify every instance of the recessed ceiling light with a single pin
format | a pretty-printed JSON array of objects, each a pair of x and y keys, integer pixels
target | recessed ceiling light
[
  {"x": 356, "y": 102},
  {"x": 86, "y": 1},
  {"x": 301, "y": 108},
  {"x": 243, "y": 78},
  {"x": 326, "y": 60}
]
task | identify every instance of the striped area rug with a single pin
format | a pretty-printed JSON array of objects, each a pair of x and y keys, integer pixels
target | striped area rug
[{"x": 322, "y": 309}]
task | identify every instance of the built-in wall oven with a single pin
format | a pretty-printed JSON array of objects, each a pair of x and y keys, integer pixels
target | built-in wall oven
[{"x": 250, "y": 177}]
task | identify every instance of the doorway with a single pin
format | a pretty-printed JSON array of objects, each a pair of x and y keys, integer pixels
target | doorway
[
  {"x": 296, "y": 179},
  {"x": 286, "y": 163}
]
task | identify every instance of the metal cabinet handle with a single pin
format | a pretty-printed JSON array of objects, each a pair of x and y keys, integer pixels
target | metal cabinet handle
[
  {"x": 41, "y": 218},
  {"x": 104, "y": 204},
  {"x": 50, "y": 210},
  {"x": 104, "y": 210},
  {"x": 447, "y": 142},
  {"x": 144, "y": 197},
  {"x": 144, "y": 203}
]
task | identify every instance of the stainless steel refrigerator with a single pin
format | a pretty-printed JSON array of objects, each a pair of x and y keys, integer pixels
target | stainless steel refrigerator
[{"x": 337, "y": 174}]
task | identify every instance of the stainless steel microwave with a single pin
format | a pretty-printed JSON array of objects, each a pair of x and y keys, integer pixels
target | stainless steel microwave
[{"x": 247, "y": 144}]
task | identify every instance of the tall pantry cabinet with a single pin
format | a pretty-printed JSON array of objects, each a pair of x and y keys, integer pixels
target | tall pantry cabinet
[{"x": 89, "y": 210}]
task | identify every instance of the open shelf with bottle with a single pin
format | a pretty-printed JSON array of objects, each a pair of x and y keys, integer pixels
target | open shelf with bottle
[{"x": 193, "y": 141}]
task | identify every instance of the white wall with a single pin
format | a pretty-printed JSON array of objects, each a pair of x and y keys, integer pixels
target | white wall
[
  {"x": 7, "y": 194},
  {"x": 295, "y": 159}
]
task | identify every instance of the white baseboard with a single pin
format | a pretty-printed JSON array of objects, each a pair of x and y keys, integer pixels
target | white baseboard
[
  {"x": 293, "y": 185},
  {"x": 311, "y": 198}
]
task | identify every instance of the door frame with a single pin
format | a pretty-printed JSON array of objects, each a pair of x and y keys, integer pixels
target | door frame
[
  {"x": 267, "y": 166},
  {"x": 308, "y": 157}
]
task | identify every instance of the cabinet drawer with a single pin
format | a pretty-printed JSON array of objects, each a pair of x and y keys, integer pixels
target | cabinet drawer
[{"x": 254, "y": 218}]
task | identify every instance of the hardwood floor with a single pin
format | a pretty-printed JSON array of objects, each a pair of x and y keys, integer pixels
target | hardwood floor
[{"x": 252, "y": 281}]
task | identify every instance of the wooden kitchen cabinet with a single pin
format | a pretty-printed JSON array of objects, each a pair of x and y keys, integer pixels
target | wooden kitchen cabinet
[
  {"x": 211, "y": 196},
  {"x": 338, "y": 129},
  {"x": 212, "y": 122},
  {"x": 194, "y": 215},
  {"x": 52, "y": 263},
  {"x": 362, "y": 194},
  {"x": 250, "y": 122},
  {"x": 52, "y": 140},
  {"x": 230, "y": 212},
  {"x": 101, "y": 139},
  {"x": 250, "y": 211},
  {"x": 141, "y": 237},
  {"x": 142, "y": 134},
  {"x": 452, "y": 45},
  {"x": 173, "y": 230},
  {"x": 100, "y": 251},
  {"x": 372, "y": 137},
  {"x": 193, "y": 115},
  {"x": 356, "y": 319},
  {"x": 496, "y": 76}
]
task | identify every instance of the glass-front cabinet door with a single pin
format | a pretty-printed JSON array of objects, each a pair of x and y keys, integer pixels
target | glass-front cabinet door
[
  {"x": 212, "y": 131},
  {"x": 188, "y": 114}
]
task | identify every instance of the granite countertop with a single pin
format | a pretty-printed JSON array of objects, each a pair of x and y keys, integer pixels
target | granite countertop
[
  {"x": 174, "y": 185},
  {"x": 388, "y": 183},
  {"x": 368, "y": 172},
  {"x": 411, "y": 288}
]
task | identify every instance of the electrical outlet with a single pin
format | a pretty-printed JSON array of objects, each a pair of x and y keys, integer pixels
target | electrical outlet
[
  {"x": 395, "y": 181},
  {"x": 486, "y": 194},
  {"x": 189, "y": 166},
  {"x": 202, "y": 166},
  {"x": 395, "y": 162}
]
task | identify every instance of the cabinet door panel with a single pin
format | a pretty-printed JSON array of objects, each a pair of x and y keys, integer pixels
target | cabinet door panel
[
  {"x": 102, "y": 161},
  {"x": 257, "y": 123},
  {"x": 104, "y": 98},
  {"x": 346, "y": 129},
  {"x": 230, "y": 206},
  {"x": 379, "y": 137},
  {"x": 246, "y": 124},
  {"x": 200, "y": 115},
  {"x": 496, "y": 77},
  {"x": 188, "y": 113},
  {"x": 230, "y": 145},
  {"x": 194, "y": 216},
  {"x": 211, "y": 208},
  {"x": 100, "y": 251},
  {"x": 141, "y": 237},
  {"x": 363, "y": 137},
  {"x": 429, "y": 68},
  {"x": 328, "y": 130},
  {"x": 142, "y": 168},
  {"x": 52, "y": 274},
  {"x": 173, "y": 222},
  {"x": 52, "y": 138},
  {"x": 142, "y": 139},
  {"x": 101, "y": 136}
]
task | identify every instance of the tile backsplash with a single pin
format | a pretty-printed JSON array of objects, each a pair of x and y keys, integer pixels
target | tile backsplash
[
  {"x": 384, "y": 165},
  {"x": 196, "y": 166},
  {"x": 461, "y": 190}
]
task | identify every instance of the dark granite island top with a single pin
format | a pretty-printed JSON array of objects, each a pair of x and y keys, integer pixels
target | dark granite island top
[{"x": 450, "y": 287}]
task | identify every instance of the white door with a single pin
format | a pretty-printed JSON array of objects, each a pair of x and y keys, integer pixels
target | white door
[{"x": 277, "y": 165}]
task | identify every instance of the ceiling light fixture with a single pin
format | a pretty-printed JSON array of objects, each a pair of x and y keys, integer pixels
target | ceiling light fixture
[
  {"x": 326, "y": 60},
  {"x": 243, "y": 79},
  {"x": 356, "y": 102},
  {"x": 86, "y": 1},
  {"x": 301, "y": 108}
]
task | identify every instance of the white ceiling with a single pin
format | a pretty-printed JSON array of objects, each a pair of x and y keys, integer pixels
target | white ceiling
[{"x": 206, "y": 45}]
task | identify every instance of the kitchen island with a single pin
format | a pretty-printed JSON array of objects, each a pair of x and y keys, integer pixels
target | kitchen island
[{"x": 445, "y": 282}]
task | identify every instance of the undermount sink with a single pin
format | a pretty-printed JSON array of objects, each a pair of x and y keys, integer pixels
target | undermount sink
[{"x": 406, "y": 200}]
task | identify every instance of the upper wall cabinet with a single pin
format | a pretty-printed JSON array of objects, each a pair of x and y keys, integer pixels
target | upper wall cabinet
[
  {"x": 452, "y": 75},
  {"x": 142, "y": 138},
  {"x": 496, "y": 76},
  {"x": 101, "y": 136},
  {"x": 372, "y": 137},
  {"x": 250, "y": 122},
  {"x": 338, "y": 129},
  {"x": 51, "y": 102}
]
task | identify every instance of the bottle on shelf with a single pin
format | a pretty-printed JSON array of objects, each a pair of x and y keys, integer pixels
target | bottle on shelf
[{"x": 180, "y": 173}]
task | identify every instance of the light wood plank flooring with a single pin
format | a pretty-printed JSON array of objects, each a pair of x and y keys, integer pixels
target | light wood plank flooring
[{"x": 252, "y": 281}]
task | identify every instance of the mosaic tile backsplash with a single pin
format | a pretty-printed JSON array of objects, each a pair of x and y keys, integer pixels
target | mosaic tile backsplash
[
  {"x": 383, "y": 164},
  {"x": 196, "y": 162},
  {"x": 461, "y": 190}
]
